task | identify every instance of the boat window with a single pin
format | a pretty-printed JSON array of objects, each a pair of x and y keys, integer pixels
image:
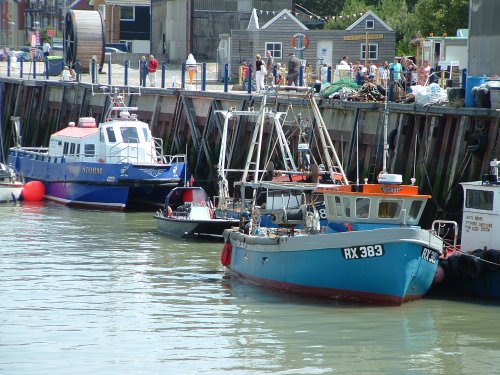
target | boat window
[
  {"x": 111, "y": 135},
  {"x": 337, "y": 208},
  {"x": 347, "y": 206},
  {"x": 89, "y": 150},
  {"x": 415, "y": 208},
  {"x": 65, "y": 148},
  {"x": 78, "y": 149},
  {"x": 362, "y": 207},
  {"x": 72, "y": 149},
  {"x": 389, "y": 209},
  {"x": 146, "y": 134},
  {"x": 479, "y": 199},
  {"x": 129, "y": 134}
]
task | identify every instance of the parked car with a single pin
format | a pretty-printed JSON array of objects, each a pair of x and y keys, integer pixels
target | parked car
[{"x": 109, "y": 50}]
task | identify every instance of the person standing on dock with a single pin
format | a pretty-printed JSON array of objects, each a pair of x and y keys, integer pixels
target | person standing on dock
[
  {"x": 46, "y": 49},
  {"x": 293, "y": 70},
  {"x": 152, "y": 67}
]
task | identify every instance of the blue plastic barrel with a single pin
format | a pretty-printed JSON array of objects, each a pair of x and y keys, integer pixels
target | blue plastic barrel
[{"x": 472, "y": 81}]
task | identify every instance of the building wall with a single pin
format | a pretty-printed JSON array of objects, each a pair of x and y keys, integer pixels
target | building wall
[
  {"x": 484, "y": 38},
  {"x": 170, "y": 20}
]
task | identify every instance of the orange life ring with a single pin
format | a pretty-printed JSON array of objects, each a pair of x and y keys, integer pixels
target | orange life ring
[
  {"x": 225, "y": 256},
  {"x": 306, "y": 41}
]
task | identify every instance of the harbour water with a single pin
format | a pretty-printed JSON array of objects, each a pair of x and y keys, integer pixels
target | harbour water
[{"x": 86, "y": 292}]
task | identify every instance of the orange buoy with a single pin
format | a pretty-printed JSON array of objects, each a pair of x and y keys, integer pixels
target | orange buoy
[
  {"x": 33, "y": 191},
  {"x": 225, "y": 257}
]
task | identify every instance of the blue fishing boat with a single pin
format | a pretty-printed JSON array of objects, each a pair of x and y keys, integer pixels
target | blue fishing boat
[
  {"x": 473, "y": 267},
  {"x": 371, "y": 250},
  {"x": 115, "y": 165}
]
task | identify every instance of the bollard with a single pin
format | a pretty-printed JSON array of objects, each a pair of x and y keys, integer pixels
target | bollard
[
  {"x": 391, "y": 84},
  {"x": 46, "y": 62},
  {"x": 226, "y": 77},
  {"x": 329, "y": 75},
  {"x": 203, "y": 77},
  {"x": 464, "y": 77},
  {"x": 78, "y": 69},
  {"x": 250, "y": 75},
  {"x": 183, "y": 75},
  {"x": 301, "y": 76},
  {"x": 125, "y": 78},
  {"x": 163, "y": 73}
]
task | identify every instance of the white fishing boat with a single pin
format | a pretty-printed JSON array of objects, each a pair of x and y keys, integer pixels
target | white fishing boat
[{"x": 11, "y": 185}]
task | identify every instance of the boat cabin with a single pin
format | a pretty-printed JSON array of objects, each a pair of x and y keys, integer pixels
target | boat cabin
[
  {"x": 123, "y": 139},
  {"x": 481, "y": 211},
  {"x": 373, "y": 204}
]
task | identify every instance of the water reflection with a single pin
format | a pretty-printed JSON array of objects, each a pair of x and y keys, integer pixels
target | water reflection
[{"x": 102, "y": 292}]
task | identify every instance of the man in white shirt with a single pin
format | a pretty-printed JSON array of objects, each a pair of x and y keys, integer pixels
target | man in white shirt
[
  {"x": 344, "y": 61},
  {"x": 46, "y": 49}
]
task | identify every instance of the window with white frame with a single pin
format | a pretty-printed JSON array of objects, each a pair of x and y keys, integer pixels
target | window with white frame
[
  {"x": 276, "y": 49},
  {"x": 372, "y": 51},
  {"x": 127, "y": 13},
  {"x": 102, "y": 10},
  {"x": 370, "y": 24}
]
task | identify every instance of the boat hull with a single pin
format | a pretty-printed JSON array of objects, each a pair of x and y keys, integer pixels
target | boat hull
[
  {"x": 99, "y": 185},
  {"x": 200, "y": 228},
  {"x": 320, "y": 265},
  {"x": 10, "y": 192}
]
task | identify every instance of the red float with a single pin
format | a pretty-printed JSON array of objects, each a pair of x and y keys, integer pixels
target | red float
[
  {"x": 225, "y": 257},
  {"x": 33, "y": 191}
]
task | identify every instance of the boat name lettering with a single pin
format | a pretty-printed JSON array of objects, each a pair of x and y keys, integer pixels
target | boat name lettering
[
  {"x": 361, "y": 252},
  {"x": 92, "y": 170},
  {"x": 430, "y": 255},
  {"x": 240, "y": 244},
  {"x": 476, "y": 224},
  {"x": 391, "y": 189}
]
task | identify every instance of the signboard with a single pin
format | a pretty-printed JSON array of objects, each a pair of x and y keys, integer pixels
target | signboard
[
  {"x": 51, "y": 33},
  {"x": 364, "y": 37}
]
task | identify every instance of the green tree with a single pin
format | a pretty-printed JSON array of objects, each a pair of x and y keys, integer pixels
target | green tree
[{"x": 438, "y": 17}]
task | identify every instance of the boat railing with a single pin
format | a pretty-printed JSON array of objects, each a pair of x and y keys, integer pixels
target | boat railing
[
  {"x": 117, "y": 151},
  {"x": 174, "y": 159},
  {"x": 33, "y": 150},
  {"x": 157, "y": 149},
  {"x": 448, "y": 231}
]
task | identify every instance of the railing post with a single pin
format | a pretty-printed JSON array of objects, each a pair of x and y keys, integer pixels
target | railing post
[
  {"x": 78, "y": 68},
  {"x": 144, "y": 73},
  {"x": 163, "y": 73},
  {"x": 250, "y": 75},
  {"x": 34, "y": 66},
  {"x": 226, "y": 77},
  {"x": 46, "y": 62},
  {"x": 301, "y": 76},
  {"x": 203, "y": 76},
  {"x": 21, "y": 69},
  {"x": 391, "y": 84},
  {"x": 92, "y": 68},
  {"x": 8, "y": 65},
  {"x": 183, "y": 75},
  {"x": 329, "y": 75},
  {"x": 125, "y": 77},
  {"x": 109, "y": 71},
  {"x": 464, "y": 77},
  {"x": 275, "y": 74}
]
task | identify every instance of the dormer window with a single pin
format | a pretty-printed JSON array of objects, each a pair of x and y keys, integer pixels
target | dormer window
[{"x": 370, "y": 24}]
